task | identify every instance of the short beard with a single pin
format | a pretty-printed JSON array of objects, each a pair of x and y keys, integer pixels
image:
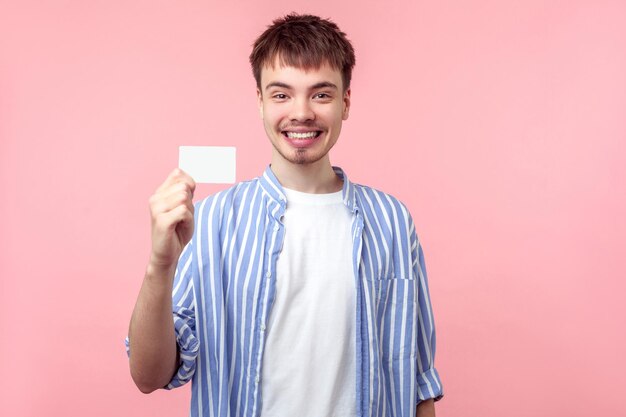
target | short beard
[{"x": 300, "y": 158}]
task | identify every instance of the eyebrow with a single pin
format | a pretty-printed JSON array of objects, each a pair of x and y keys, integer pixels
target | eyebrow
[{"x": 323, "y": 84}]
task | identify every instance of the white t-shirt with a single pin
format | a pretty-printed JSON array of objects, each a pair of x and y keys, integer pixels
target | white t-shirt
[{"x": 309, "y": 358}]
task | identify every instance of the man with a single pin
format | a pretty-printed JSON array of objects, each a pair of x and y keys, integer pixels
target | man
[{"x": 299, "y": 293}]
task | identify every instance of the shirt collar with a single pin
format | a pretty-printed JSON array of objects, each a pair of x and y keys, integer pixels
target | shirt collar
[{"x": 272, "y": 187}]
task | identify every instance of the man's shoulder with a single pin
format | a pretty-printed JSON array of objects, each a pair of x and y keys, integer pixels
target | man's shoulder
[{"x": 376, "y": 202}]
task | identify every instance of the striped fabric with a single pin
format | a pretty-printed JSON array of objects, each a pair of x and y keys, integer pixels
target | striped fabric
[{"x": 226, "y": 282}]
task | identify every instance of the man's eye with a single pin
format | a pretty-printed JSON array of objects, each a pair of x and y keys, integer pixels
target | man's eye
[
  {"x": 322, "y": 95},
  {"x": 280, "y": 96}
]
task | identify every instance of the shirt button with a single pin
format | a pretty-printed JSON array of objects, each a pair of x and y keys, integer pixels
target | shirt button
[
  {"x": 268, "y": 274},
  {"x": 263, "y": 327},
  {"x": 276, "y": 228},
  {"x": 256, "y": 379}
]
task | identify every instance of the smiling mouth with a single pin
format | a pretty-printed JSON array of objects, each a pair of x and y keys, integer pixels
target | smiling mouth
[{"x": 302, "y": 135}]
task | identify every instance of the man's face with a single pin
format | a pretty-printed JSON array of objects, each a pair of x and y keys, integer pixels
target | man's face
[{"x": 302, "y": 112}]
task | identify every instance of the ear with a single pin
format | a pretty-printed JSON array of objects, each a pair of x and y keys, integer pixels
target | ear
[
  {"x": 259, "y": 97},
  {"x": 346, "y": 104}
]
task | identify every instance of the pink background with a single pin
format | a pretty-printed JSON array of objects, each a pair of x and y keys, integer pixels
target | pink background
[{"x": 500, "y": 124}]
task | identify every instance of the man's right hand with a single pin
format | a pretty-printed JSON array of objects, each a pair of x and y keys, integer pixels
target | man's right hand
[
  {"x": 154, "y": 359},
  {"x": 171, "y": 211}
]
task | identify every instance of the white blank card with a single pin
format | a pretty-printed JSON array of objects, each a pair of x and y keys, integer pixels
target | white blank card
[{"x": 208, "y": 164}]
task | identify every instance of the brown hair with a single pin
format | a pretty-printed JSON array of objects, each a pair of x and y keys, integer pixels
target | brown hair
[{"x": 303, "y": 41}]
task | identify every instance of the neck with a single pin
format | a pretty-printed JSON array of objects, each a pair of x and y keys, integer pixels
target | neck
[{"x": 315, "y": 178}]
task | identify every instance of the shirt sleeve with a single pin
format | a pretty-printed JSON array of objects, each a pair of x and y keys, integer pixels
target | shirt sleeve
[
  {"x": 428, "y": 381},
  {"x": 183, "y": 312}
]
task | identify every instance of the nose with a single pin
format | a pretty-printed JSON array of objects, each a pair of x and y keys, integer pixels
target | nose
[{"x": 301, "y": 110}]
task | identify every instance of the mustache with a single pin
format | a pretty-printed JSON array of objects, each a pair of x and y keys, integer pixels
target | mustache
[{"x": 312, "y": 126}]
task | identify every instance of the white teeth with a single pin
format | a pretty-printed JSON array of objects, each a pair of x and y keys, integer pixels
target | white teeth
[{"x": 295, "y": 135}]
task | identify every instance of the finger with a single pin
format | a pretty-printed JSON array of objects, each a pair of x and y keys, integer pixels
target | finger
[
  {"x": 167, "y": 222},
  {"x": 184, "y": 228},
  {"x": 177, "y": 176},
  {"x": 171, "y": 179},
  {"x": 168, "y": 199}
]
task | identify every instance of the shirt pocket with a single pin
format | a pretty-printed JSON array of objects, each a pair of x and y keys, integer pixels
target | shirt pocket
[{"x": 393, "y": 309}]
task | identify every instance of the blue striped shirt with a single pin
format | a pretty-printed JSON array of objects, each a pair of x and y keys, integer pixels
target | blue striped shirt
[{"x": 225, "y": 286}]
